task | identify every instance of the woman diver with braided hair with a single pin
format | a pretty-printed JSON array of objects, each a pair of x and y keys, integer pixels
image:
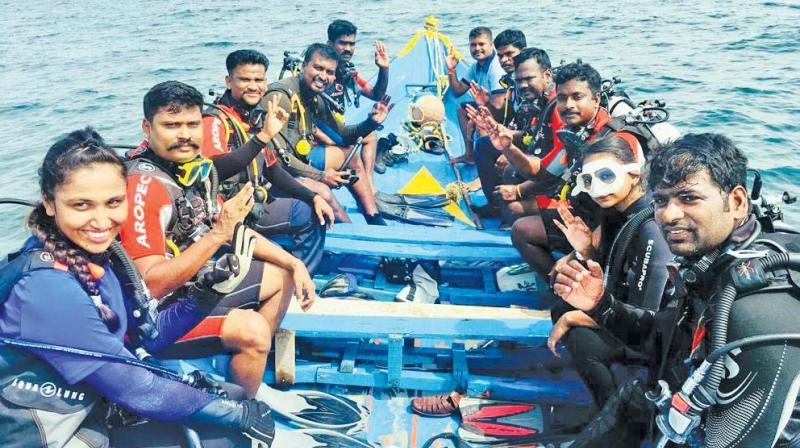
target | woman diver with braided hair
[
  {"x": 69, "y": 294},
  {"x": 626, "y": 238}
]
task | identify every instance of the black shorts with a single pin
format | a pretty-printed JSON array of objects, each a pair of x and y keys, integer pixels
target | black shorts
[{"x": 205, "y": 339}]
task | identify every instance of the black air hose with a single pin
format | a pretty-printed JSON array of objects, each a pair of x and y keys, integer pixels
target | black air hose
[
  {"x": 719, "y": 327},
  {"x": 616, "y": 256}
]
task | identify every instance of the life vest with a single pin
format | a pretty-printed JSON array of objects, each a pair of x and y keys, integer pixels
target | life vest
[
  {"x": 28, "y": 384},
  {"x": 300, "y": 125},
  {"x": 193, "y": 209}
]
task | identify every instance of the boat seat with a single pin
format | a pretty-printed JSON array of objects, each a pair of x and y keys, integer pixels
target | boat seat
[
  {"x": 423, "y": 243},
  {"x": 356, "y": 320}
]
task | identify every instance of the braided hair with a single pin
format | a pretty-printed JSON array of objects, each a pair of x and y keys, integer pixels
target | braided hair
[{"x": 78, "y": 149}]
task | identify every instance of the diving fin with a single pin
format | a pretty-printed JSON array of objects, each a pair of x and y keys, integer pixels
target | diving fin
[
  {"x": 315, "y": 438},
  {"x": 414, "y": 200},
  {"x": 414, "y": 215},
  {"x": 488, "y": 421},
  {"x": 315, "y": 409}
]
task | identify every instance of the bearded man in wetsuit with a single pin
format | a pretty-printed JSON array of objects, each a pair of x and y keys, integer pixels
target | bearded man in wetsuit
[
  {"x": 177, "y": 227},
  {"x": 349, "y": 85},
  {"x": 289, "y": 214},
  {"x": 703, "y": 209},
  {"x": 303, "y": 142}
]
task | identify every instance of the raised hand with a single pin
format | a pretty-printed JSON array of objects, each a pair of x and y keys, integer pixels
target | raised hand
[
  {"x": 234, "y": 210},
  {"x": 381, "y": 55},
  {"x": 451, "y": 60},
  {"x": 381, "y": 109},
  {"x": 274, "y": 119},
  {"x": 574, "y": 229},
  {"x": 580, "y": 287},
  {"x": 479, "y": 94}
]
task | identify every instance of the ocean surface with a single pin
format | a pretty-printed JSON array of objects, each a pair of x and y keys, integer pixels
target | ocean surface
[{"x": 730, "y": 67}]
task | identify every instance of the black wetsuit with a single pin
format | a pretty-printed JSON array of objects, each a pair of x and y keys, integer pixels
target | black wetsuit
[
  {"x": 758, "y": 394},
  {"x": 594, "y": 350}
]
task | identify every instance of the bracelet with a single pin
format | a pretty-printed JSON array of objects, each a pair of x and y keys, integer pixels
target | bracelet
[
  {"x": 519, "y": 192},
  {"x": 451, "y": 71}
]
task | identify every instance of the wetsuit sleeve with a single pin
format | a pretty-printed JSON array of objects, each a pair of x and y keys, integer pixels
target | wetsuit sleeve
[
  {"x": 145, "y": 393},
  {"x": 284, "y": 181},
  {"x": 54, "y": 309},
  {"x": 759, "y": 392},
  {"x": 349, "y": 134},
  {"x": 622, "y": 319},
  {"x": 215, "y": 137},
  {"x": 651, "y": 254},
  {"x": 236, "y": 161},
  {"x": 149, "y": 212},
  {"x": 298, "y": 168}
]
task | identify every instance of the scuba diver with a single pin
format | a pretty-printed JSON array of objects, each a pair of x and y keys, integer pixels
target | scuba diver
[
  {"x": 349, "y": 85},
  {"x": 534, "y": 85},
  {"x": 726, "y": 338},
  {"x": 177, "y": 229},
  {"x": 629, "y": 244},
  {"x": 578, "y": 106},
  {"x": 72, "y": 282},
  {"x": 291, "y": 215},
  {"x": 302, "y": 143}
]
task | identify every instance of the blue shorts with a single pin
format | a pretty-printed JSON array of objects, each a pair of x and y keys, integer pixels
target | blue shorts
[{"x": 317, "y": 157}]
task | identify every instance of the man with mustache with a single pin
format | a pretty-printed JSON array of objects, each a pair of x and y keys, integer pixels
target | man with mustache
[
  {"x": 305, "y": 143},
  {"x": 349, "y": 85},
  {"x": 289, "y": 213},
  {"x": 486, "y": 72},
  {"x": 178, "y": 227},
  {"x": 703, "y": 208},
  {"x": 577, "y": 104}
]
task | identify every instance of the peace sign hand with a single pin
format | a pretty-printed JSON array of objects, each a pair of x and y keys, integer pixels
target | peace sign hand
[{"x": 381, "y": 55}]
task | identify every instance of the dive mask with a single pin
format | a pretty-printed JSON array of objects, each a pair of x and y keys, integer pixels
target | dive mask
[
  {"x": 190, "y": 172},
  {"x": 602, "y": 177}
]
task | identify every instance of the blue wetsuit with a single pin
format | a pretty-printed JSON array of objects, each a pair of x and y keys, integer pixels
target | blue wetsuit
[{"x": 51, "y": 306}]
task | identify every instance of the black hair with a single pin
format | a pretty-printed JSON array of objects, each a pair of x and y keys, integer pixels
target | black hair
[
  {"x": 480, "y": 31},
  {"x": 616, "y": 146},
  {"x": 511, "y": 37},
  {"x": 581, "y": 72},
  {"x": 324, "y": 50},
  {"x": 340, "y": 27},
  {"x": 173, "y": 95},
  {"x": 537, "y": 54},
  {"x": 242, "y": 57},
  {"x": 79, "y": 149},
  {"x": 694, "y": 153}
]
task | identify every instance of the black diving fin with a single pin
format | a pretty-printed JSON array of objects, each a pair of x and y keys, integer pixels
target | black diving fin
[
  {"x": 414, "y": 200},
  {"x": 415, "y": 215}
]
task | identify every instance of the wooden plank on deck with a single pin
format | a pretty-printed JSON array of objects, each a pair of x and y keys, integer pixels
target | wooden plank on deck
[{"x": 335, "y": 318}]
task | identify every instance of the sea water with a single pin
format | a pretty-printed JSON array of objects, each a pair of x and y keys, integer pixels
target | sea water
[{"x": 720, "y": 66}]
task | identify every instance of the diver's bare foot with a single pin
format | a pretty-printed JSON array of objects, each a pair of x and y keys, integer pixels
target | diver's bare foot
[
  {"x": 473, "y": 185},
  {"x": 464, "y": 158}
]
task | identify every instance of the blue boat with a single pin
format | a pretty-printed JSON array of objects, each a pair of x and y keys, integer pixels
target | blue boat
[{"x": 382, "y": 353}]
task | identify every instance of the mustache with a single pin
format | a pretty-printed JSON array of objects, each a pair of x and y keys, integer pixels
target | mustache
[
  {"x": 179, "y": 144},
  {"x": 347, "y": 53}
]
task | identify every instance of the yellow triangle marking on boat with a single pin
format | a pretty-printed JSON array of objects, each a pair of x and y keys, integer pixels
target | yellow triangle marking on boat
[{"x": 424, "y": 183}]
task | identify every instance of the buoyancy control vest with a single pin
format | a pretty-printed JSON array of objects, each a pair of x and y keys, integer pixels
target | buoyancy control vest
[
  {"x": 193, "y": 208},
  {"x": 690, "y": 340},
  {"x": 238, "y": 126}
]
